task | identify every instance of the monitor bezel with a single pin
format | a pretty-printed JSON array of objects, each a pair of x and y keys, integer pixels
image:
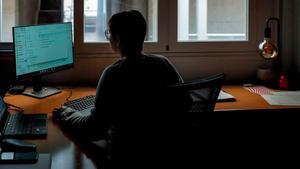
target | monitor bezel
[{"x": 44, "y": 71}]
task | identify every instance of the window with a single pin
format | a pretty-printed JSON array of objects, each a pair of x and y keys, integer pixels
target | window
[
  {"x": 7, "y": 19},
  {"x": 29, "y": 12},
  {"x": 212, "y": 20},
  {"x": 188, "y": 26},
  {"x": 97, "y": 13},
  {"x": 68, "y": 11},
  {"x": 173, "y": 25}
]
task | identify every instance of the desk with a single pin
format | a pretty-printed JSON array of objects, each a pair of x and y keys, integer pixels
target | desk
[
  {"x": 67, "y": 155},
  {"x": 245, "y": 101},
  {"x": 248, "y": 102}
]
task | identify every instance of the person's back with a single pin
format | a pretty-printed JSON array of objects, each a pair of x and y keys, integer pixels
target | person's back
[
  {"x": 135, "y": 103},
  {"x": 129, "y": 107}
]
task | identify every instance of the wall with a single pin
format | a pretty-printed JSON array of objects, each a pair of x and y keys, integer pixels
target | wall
[
  {"x": 88, "y": 69},
  {"x": 296, "y": 43},
  {"x": 290, "y": 41},
  {"x": 287, "y": 35}
]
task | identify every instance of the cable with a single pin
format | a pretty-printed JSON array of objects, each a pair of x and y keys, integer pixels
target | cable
[
  {"x": 8, "y": 94},
  {"x": 11, "y": 106},
  {"x": 70, "y": 95},
  {"x": 14, "y": 107}
]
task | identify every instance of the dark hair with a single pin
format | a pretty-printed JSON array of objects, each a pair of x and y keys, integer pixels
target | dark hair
[{"x": 130, "y": 27}]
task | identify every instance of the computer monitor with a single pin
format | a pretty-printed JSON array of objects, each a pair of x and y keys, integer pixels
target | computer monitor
[{"x": 40, "y": 50}]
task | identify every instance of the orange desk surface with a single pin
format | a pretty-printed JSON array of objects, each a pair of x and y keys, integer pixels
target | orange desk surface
[
  {"x": 245, "y": 100},
  {"x": 46, "y": 105}
]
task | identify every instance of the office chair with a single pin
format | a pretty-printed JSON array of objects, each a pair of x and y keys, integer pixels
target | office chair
[
  {"x": 197, "y": 96},
  {"x": 163, "y": 131},
  {"x": 191, "y": 105}
]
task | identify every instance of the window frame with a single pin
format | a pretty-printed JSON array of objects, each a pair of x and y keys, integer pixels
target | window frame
[
  {"x": 82, "y": 47},
  {"x": 167, "y": 35},
  {"x": 215, "y": 46}
]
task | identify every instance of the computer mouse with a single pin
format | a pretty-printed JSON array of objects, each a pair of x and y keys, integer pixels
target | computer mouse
[{"x": 16, "y": 145}]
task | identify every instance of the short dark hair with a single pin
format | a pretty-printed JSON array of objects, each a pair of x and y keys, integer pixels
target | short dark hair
[{"x": 130, "y": 27}]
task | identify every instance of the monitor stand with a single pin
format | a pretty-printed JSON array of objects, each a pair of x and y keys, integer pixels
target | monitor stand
[
  {"x": 37, "y": 91},
  {"x": 45, "y": 92}
]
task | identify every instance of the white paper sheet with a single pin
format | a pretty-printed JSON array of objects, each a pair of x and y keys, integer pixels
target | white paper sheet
[
  {"x": 283, "y": 99},
  {"x": 224, "y": 96}
]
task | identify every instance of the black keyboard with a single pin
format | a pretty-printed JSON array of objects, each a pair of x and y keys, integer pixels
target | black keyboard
[
  {"x": 27, "y": 125},
  {"x": 82, "y": 103}
]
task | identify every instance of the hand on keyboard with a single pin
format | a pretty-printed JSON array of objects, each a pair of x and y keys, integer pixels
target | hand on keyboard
[{"x": 62, "y": 113}]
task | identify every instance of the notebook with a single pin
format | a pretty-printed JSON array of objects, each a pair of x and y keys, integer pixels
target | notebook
[
  {"x": 19, "y": 125},
  {"x": 225, "y": 97}
]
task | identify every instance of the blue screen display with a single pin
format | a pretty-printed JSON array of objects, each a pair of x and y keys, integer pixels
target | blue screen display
[{"x": 42, "y": 48}]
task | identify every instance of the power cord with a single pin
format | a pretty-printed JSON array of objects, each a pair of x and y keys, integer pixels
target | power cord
[
  {"x": 70, "y": 93},
  {"x": 8, "y": 94},
  {"x": 14, "y": 108}
]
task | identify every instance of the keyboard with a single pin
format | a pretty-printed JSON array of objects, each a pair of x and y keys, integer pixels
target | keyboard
[
  {"x": 81, "y": 104},
  {"x": 28, "y": 125}
]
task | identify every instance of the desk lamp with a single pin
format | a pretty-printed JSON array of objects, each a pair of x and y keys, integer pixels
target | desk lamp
[{"x": 270, "y": 51}]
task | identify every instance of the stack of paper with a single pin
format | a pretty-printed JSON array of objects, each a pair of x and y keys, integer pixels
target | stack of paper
[
  {"x": 290, "y": 98},
  {"x": 261, "y": 90}
]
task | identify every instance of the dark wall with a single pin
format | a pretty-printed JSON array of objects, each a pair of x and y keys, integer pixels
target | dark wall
[
  {"x": 6, "y": 72},
  {"x": 296, "y": 43},
  {"x": 290, "y": 40}
]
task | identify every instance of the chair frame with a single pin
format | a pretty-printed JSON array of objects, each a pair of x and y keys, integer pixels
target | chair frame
[{"x": 213, "y": 82}]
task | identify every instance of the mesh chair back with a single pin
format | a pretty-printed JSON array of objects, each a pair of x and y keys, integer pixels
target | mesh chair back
[{"x": 202, "y": 93}]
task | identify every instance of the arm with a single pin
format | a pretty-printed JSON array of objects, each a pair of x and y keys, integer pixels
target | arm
[{"x": 93, "y": 126}]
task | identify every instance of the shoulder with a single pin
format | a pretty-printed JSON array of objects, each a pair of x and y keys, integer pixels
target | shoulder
[
  {"x": 110, "y": 71},
  {"x": 158, "y": 58},
  {"x": 113, "y": 67}
]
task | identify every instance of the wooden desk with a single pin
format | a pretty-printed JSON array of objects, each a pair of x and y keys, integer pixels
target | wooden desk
[
  {"x": 46, "y": 105},
  {"x": 67, "y": 155},
  {"x": 245, "y": 101}
]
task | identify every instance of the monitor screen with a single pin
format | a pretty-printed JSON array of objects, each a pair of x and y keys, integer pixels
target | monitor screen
[{"x": 42, "y": 49}]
